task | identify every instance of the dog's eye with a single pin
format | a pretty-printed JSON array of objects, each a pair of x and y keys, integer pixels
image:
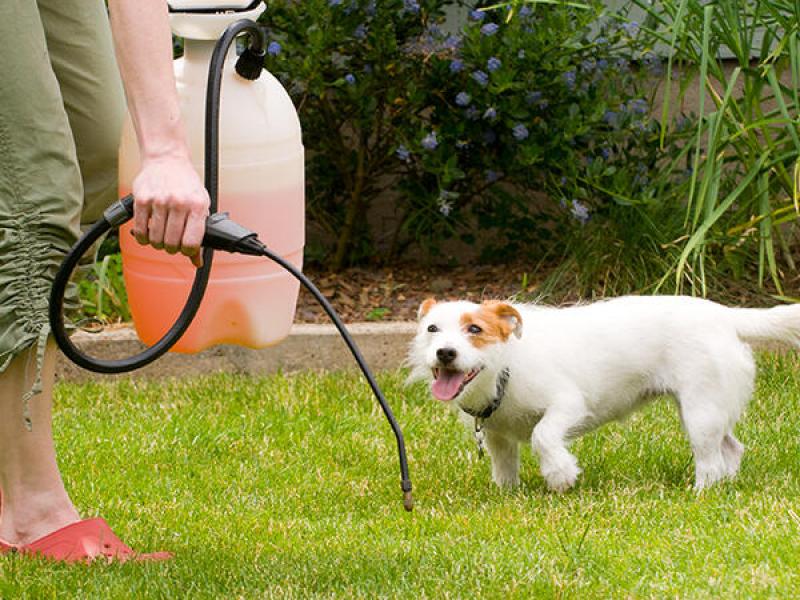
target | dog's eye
[
  {"x": 474, "y": 329},
  {"x": 433, "y": 328}
]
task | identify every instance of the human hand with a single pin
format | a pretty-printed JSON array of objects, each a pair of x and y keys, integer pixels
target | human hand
[{"x": 170, "y": 206}]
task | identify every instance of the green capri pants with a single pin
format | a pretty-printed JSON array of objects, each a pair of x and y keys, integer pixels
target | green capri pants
[{"x": 61, "y": 111}]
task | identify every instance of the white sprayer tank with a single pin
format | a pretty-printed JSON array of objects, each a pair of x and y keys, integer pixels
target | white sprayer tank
[{"x": 250, "y": 301}]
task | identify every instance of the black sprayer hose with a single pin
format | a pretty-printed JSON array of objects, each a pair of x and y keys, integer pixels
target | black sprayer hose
[
  {"x": 401, "y": 448},
  {"x": 221, "y": 234}
]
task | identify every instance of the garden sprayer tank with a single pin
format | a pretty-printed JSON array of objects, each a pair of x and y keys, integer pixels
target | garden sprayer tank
[{"x": 249, "y": 301}]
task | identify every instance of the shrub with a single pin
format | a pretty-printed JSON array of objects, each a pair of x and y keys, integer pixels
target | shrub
[
  {"x": 465, "y": 128},
  {"x": 740, "y": 202}
]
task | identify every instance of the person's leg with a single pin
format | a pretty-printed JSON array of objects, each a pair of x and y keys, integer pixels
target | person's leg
[
  {"x": 34, "y": 501},
  {"x": 82, "y": 55},
  {"x": 41, "y": 197}
]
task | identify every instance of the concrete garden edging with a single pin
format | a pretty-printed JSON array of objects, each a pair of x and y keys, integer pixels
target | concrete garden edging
[{"x": 308, "y": 347}]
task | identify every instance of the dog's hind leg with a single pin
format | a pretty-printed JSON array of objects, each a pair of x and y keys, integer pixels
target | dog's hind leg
[
  {"x": 559, "y": 468},
  {"x": 505, "y": 459},
  {"x": 706, "y": 427},
  {"x": 732, "y": 450},
  {"x": 716, "y": 391}
]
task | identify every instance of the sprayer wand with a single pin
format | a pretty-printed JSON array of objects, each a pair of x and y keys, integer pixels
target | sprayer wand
[{"x": 221, "y": 234}]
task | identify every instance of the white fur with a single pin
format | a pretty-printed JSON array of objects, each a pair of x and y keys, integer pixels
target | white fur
[{"x": 576, "y": 368}]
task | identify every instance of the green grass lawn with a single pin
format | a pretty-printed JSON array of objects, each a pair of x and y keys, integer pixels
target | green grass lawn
[{"x": 288, "y": 486}]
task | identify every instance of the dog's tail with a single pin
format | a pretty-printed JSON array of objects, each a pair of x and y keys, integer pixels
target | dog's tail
[{"x": 777, "y": 324}]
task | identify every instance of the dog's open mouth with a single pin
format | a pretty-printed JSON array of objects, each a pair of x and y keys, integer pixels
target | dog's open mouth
[{"x": 449, "y": 383}]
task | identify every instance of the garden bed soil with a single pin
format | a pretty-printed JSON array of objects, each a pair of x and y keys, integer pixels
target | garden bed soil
[{"x": 394, "y": 294}]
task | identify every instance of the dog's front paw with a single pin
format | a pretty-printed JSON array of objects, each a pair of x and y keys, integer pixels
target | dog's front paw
[
  {"x": 506, "y": 480},
  {"x": 561, "y": 475}
]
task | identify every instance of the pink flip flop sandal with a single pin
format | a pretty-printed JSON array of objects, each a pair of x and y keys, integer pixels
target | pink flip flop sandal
[
  {"x": 5, "y": 547},
  {"x": 83, "y": 541}
]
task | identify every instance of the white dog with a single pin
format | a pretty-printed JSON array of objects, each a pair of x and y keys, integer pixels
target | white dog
[{"x": 570, "y": 370}]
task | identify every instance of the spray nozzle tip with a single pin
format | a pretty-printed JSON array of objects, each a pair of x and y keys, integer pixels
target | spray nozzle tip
[{"x": 408, "y": 501}]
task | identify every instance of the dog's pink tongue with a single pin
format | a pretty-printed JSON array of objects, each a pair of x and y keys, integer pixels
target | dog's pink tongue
[{"x": 447, "y": 384}]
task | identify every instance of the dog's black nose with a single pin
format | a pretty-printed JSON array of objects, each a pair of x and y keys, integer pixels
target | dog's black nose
[{"x": 446, "y": 355}]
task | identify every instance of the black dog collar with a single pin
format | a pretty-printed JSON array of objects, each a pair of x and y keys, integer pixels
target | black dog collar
[{"x": 499, "y": 394}]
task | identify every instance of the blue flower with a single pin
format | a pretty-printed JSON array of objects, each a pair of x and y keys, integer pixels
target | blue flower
[
  {"x": 492, "y": 176},
  {"x": 481, "y": 77},
  {"x": 533, "y": 97},
  {"x": 520, "y": 132},
  {"x": 605, "y": 153},
  {"x": 429, "y": 142},
  {"x": 456, "y": 65},
  {"x": 602, "y": 64},
  {"x": 638, "y": 106},
  {"x": 371, "y": 9},
  {"x": 525, "y": 11},
  {"x": 350, "y": 78},
  {"x": 587, "y": 65},
  {"x": 360, "y": 32},
  {"x": 653, "y": 63},
  {"x": 493, "y": 64},
  {"x": 403, "y": 153},
  {"x": 601, "y": 41},
  {"x": 452, "y": 42},
  {"x": 569, "y": 79},
  {"x": 463, "y": 98},
  {"x": 631, "y": 29},
  {"x": 489, "y": 29},
  {"x": 622, "y": 64},
  {"x": 334, "y": 2},
  {"x": 274, "y": 49},
  {"x": 580, "y": 211},
  {"x": 411, "y": 6},
  {"x": 445, "y": 202},
  {"x": 477, "y": 15},
  {"x": 611, "y": 118},
  {"x": 490, "y": 113}
]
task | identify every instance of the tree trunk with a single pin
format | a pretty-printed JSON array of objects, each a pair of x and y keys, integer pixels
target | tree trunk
[{"x": 354, "y": 209}]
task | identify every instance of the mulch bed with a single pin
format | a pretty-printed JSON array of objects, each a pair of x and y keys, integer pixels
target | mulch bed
[{"x": 394, "y": 294}]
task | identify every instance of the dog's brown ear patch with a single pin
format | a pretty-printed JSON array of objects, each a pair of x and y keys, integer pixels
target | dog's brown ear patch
[
  {"x": 426, "y": 305},
  {"x": 496, "y": 321}
]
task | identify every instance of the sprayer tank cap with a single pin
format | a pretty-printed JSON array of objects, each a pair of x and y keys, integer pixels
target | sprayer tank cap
[
  {"x": 205, "y": 5},
  {"x": 200, "y": 20}
]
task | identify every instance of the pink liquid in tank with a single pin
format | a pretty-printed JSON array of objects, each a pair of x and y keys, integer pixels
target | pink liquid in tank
[{"x": 250, "y": 301}]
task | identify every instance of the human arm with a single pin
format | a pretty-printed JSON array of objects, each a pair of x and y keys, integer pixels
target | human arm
[{"x": 171, "y": 203}]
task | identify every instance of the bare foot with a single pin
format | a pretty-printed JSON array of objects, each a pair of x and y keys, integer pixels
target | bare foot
[{"x": 41, "y": 513}]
